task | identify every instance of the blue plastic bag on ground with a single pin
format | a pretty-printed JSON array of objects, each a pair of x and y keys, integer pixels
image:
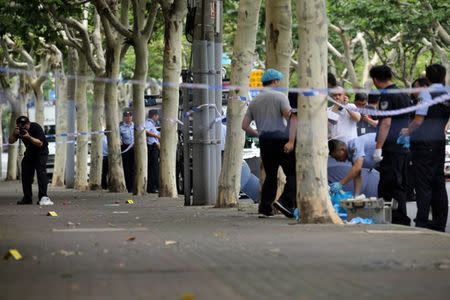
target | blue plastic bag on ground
[
  {"x": 336, "y": 199},
  {"x": 359, "y": 220}
]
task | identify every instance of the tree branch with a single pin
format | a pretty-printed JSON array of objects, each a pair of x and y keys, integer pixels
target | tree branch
[
  {"x": 104, "y": 10},
  {"x": 137, "y": 18},
  {"x": 347, "y": 54},
  {"x": 335, "y": 51},
  {"x": 71, "y": 39},
  {"x": 11, "y": 61},
  {"x": 150, "y": 24},
  {"x": 443, "y": 34},
  {"x": 86, "y": 49},
  {"x": 97, "y": 41}
]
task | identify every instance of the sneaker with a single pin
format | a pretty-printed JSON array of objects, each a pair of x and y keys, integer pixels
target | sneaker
[
  {"x": 24, "y": 202},
  {"x": 284, "y": 210},
  {"x": 45, "y": 201}
]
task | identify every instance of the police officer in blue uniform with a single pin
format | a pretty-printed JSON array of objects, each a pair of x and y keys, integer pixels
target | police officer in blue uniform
[
  {"x": 126, "y": 129},
  {"x": 427, "y": 132},
  {"x": 393, "y": 157},
  {"x": 359, "y": 152},
  {"x": 153, "y": 137}
]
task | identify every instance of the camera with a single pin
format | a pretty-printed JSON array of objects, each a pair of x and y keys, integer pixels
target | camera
[
  {"x": 22, "y": 132},
  {"x": 22, "y": 129}
]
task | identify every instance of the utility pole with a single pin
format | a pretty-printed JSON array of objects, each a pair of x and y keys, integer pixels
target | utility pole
[{"x": 206, "y": 67}]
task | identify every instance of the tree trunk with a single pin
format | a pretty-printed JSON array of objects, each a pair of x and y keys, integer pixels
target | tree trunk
[
  {"x": 116, "y": 181},
  {"x": 39, "y": 104},
  {"x": 124, "y": 94},
  {"x": 114, "y": 42},
  {"x": 98, "y": 113},
  {"x": 312, "y": 151},
  {"x": 243, "y": 57},
  {"x": 17, "y": 109},
  {"x": 11, "y": 170},
  {"x": 59, "y": 164},
  {"x": 81, "y": 178},
  {"x": 278, "y": 49},
  {"x": 1, "y": 141},
  {"x": 367, "y": 81},
  {"x": 279, "y": 37},
  {"x": 173, "y": 30},
  {"x": 140, "y": 144}
]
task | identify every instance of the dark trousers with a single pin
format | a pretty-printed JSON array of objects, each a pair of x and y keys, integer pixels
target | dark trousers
[
  {"x": 105, "y": 170},
  {"x": 30, "y": 164},
  {"x": 128, "y": 167},
  {"x": 272, "y": 157},
  {"x": 430, "y": 187},
  {"x": 392, "y": 185},
  {"x": 410, "y": 193},
  {"x": 153, "y": 167}
]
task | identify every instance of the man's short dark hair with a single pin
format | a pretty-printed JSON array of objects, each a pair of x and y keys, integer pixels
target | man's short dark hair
[
  {"x": 152, "y": 113},
  {"x": 127, "y": 113},
  {"x": 421, "y": 81},
  {"x": 333, "y": 145},
  {"x": 332, "y": 82},
  {"x": 382, "y": 73},
  {"x": 22, "y": 120},
  {"x": 435, "y": 73},
  {"x": 373, "y": 97},
  {"x": 266, "y": 83},
  {"x": 360, "y": 97}
]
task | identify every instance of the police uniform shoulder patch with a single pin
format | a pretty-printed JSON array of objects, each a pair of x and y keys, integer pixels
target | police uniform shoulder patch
[{"x": 384, "y": 105}]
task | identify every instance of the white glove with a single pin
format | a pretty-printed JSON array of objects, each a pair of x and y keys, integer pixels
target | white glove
[{"x": 377, "y": 155}]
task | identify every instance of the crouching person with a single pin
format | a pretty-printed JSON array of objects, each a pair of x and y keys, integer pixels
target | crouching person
[
  {"x": 35, "y": 159},
  {"x": 359, "y": 152}
]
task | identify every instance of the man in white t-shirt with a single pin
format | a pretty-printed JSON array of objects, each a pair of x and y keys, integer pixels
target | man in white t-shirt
[{"x": 345, "y": 128}]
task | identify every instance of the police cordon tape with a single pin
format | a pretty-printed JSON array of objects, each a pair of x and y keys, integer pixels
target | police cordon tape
[
  {"x": 365, "y": 111},
  {"x": 389, "y": 113},
  {"x": 203, "y": 86},
  {"x": 70, "y": 134},
  {"x": 75, "y": 134},
  {"x": 307, "y": 92}
]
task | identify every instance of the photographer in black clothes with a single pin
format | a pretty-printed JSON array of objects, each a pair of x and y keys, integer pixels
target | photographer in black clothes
[{"x": 35, "y": 158}]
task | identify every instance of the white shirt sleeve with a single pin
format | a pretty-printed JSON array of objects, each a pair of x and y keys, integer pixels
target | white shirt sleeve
[{"x": 424, "y": 97}]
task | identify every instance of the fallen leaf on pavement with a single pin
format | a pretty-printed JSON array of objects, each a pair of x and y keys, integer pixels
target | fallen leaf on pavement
[
  {"x": 69, "y": 253},
  {"x": 187, "y": 296}
]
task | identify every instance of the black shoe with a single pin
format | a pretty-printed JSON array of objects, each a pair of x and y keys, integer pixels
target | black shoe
[
  {"x": 154, "y": 191},
  {"x": 284, "y": 210},
  {"x": 265, "y": 215},
  {"x": 24, "y": 202}
]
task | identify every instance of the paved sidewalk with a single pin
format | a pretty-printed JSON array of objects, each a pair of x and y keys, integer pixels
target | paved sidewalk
[{"x": 99, "y": 247}]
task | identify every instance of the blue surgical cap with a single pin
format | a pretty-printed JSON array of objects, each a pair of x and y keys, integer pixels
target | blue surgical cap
[{"x": 271, "y": 74}]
